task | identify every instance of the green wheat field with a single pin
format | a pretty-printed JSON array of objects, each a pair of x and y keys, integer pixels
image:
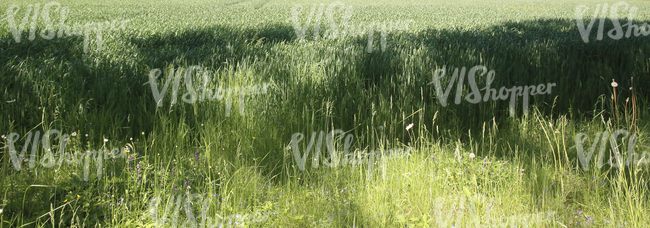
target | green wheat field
[{"x": 280, "y": 113}]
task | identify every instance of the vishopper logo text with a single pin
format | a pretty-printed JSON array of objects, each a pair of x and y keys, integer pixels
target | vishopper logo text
[
  {"x": 334, "y": 159},
  {"x": 475, "y": 96},
  {"x": 50, "y": 159},
  {"x": 348, "y": 29},
  {"x": 617, "y": 32},
  {"x": 32, "y": 16},
  {"x": 192, "y": 95},
  {"x": 616, "y": 159},
  {"x": 205, "y": 220},
  {"x": 461, "y": 203}
]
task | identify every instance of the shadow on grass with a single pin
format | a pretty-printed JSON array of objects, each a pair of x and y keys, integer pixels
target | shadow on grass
[{"x": 52, "y": 80}]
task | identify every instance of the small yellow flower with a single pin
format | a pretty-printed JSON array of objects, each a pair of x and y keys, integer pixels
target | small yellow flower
[
  {"x": 78, "y": 196},
  {"x": 126, "y": 151},
  {"x": 65, "y": 201},
  {"x": 452, "y": 177},
  {"x": 253, "y": 137}
]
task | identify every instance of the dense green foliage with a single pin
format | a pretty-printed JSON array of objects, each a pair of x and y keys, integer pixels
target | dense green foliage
[{"x": 242, "y": 159}]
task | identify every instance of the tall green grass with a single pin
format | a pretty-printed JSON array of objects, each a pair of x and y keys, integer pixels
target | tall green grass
[{"x": 243, "y": 161}]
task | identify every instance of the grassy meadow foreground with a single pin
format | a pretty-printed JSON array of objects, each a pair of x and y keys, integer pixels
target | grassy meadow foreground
[{"x": 205, "y": 113}]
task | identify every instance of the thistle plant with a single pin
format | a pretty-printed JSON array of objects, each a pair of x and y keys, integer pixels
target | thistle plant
[
  {"x": 630, "y": 118},
  {"x": 615, "y": 106}
]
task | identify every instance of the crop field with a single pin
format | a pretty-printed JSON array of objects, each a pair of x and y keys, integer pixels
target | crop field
[{"x": 278, "y": 113}]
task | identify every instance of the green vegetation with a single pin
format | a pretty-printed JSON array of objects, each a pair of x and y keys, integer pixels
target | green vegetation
[{"x": 244, "y": 164}]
